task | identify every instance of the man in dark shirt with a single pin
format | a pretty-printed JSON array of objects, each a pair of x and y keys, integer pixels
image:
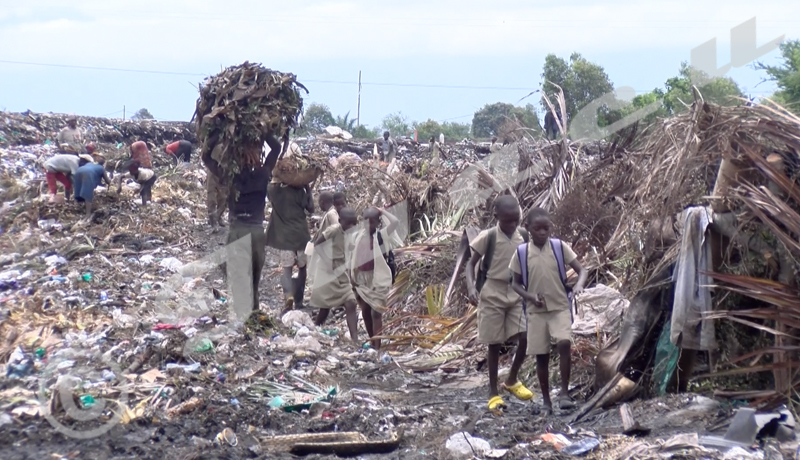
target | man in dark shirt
[{"x": 246, "y": 211}]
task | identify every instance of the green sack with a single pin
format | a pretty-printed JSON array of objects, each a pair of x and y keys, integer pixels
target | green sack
[{"x": 667, "y": 356}]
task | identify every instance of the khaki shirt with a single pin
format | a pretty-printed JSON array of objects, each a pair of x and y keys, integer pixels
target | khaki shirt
[
  {"x": 72, "y": 139},
  {"x": 504, "y": 248},
  {"x": 334, "y": 245},
  {"x": 543, "y": 277},
  {"x": 329, "y": 219}
]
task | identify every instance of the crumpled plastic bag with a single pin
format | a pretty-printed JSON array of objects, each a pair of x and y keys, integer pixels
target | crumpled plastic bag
[
  {"x": 297, "y": 319},
  {"x": 172, "y": 264}
]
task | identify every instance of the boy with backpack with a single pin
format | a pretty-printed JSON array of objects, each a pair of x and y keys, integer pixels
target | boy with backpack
[
  {"x": 542, "y": 283},
  {"x": 372, "y": 269},
  {"x": 500, "y": 311}
]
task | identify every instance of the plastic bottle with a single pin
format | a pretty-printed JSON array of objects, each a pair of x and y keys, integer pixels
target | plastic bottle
[
  {"x": 580, "y": 447},
  {"x": 103, "y": 296},
  {"x": 386, "y": 359}
]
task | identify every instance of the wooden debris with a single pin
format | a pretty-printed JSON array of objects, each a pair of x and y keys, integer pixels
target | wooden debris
[{"x": 630, "y": 426}]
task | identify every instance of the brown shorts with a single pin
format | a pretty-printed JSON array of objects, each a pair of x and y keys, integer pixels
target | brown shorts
[
  {"x": 546, "y": 325},
  {"x": 500, "y": 314}
]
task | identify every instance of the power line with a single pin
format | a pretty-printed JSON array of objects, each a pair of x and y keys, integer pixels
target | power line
[
  {"x": 113, "y": 69},
  {"x": 336, "y": 82}
]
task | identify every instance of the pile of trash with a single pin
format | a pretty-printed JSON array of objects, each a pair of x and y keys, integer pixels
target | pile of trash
[{"x": 29, "y": 128}]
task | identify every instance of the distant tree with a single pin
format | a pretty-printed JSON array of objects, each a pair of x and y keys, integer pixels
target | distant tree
[
  {"x": 786, "y": 76},
  {"x": 488, "y": 120},
  {"x": 397, "y": 124},
  {"x": 316, "y": 118},
  {"x": 582, "y": 82},
  {"x": 364, "y": 132},
  {"x": 142, "y": 114},
  {"x": 677, "y": 94},
  {"x": 721, "y": 91},
  {"x": 346, "y": 123},
  {"x": 453, "y": 130}
]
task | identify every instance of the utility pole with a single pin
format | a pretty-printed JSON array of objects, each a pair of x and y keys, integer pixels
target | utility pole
[
  {"x": 358, "y": 110},
  {"x": 123, "y": 113}
]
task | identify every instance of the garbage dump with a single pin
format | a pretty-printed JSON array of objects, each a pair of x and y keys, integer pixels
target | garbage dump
[{"x": 114, "y": 343}]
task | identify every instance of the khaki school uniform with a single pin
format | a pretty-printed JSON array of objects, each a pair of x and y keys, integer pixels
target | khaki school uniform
[
  {"x": 331, "y": 287},
  {"x": 555, "y": 320},
  {"x": 500, "y": 314},
  {"x": 371, "y": 286}
]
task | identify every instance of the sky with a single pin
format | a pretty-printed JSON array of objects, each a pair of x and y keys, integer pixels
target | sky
[{"x": 439, "y": 60}]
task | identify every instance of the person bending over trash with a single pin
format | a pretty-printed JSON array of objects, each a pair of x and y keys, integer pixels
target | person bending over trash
[
  {"x": 140, "y": 153},
  {"x": 543, "y": 285},
  {"x": 62, "y": 168},
  {"x": 331, "y": 287},
  {"x": 181, "y": 150},
  {"x": 501, "y": 316},
  {"x": 247, "y": 198},
  {"x": 370, "y": 272},
  {"x": 288, "y": 232},
  {"x": 143, "y": 176},
  {"x": 86, "y": 179},
  {"x": 70, "y": 139}
]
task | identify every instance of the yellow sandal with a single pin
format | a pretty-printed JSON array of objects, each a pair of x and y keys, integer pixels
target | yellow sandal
[
  {"x": 519, "y": 390},
  {"x": 496, "y": 403}
]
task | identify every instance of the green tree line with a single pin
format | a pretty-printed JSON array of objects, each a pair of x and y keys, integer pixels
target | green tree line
[{"x": 582, "y": 82}]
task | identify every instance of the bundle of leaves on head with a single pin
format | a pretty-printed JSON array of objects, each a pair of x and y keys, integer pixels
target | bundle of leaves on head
[{"x": 238, "y": 107}]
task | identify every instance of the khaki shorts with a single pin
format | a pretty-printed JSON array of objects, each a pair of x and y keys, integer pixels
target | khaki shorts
[
  {"x": 546, "y": 325},
  {"x": 500, "y": 314},
  {"x": 290, "y": 258}
]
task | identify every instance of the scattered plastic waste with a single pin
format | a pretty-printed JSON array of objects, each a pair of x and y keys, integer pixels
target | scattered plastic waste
[
  {"x": 195, "y": 367},
  {"x": 172, "y": 264},
  {"x": 86, "y": 277},
  {"x": 103, "y": 296},
  {"x": 386, "y": 359},
  {"x": 580, "y": 447},
  {"x": 87, "y": 401},
  {"x": 205, "y": 345}
]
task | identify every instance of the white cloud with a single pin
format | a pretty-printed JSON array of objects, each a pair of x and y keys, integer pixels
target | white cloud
[{"x": 167, "y": 35}]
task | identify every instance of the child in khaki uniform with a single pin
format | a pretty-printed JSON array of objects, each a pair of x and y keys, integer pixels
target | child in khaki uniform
[
  {"x": 500, "y": 312},
  {"x": 548, "y": 302},
  {"x": 331, "y": 287}
]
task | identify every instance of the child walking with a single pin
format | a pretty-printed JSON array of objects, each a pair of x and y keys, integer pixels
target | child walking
[
  {"x": 331, "y": 287},
  {"x": 500, "y": 311},
  {"x": 543, "y": 285},
  {"x": 370, "y": 272}
]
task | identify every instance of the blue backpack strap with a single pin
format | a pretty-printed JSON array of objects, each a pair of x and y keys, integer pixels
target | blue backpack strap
[{"x": 522, "y": 255}]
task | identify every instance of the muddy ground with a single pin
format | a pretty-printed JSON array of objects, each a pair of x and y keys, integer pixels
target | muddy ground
[{"x": 374, "y": 398}]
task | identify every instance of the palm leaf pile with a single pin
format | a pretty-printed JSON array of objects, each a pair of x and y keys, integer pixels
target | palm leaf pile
[{"x": 238, "y": 107}]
